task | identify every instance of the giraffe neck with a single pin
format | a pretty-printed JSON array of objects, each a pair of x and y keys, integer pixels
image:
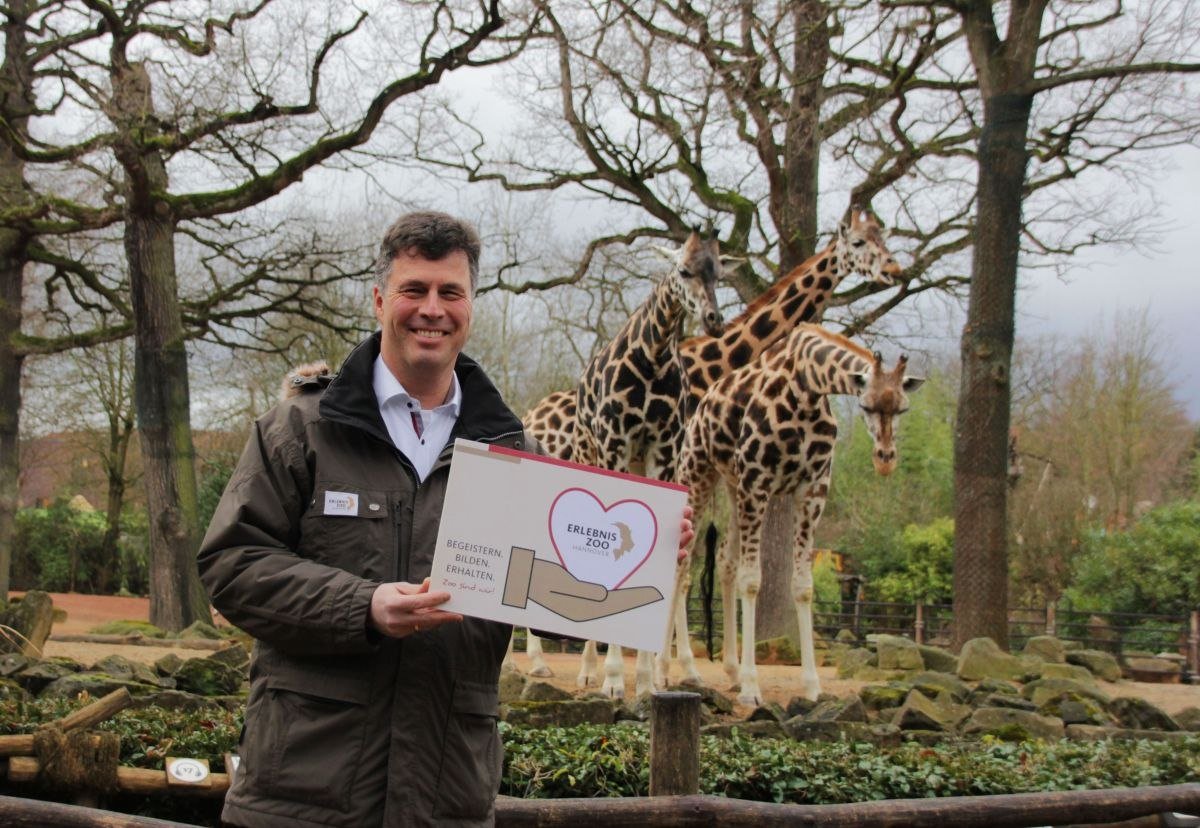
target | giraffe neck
[
  {"x": 798, "y": 297},
  {"x": 816, "y": 361},
  {"x": 655, "y": 327}
]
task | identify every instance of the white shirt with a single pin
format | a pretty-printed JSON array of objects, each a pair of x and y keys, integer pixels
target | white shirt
[{"x": 397, "y": 407}]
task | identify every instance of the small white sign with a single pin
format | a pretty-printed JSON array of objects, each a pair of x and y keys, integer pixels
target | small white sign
[
  {"x": 187, "y": 771},
  {"x": 556, "y": 546},
  {"x": 341, "y": 503}
]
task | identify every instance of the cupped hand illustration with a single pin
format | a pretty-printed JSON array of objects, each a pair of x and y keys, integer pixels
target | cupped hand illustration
[{"x": 548, "y": 583}]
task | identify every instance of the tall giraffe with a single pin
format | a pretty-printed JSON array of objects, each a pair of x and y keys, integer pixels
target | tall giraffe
[
  {"x": 858, "y": 246},
  {"x": 767, "y": 430},
  {"x": 631, "y": 396}
]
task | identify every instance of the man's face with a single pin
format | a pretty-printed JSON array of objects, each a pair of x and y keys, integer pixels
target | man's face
[{"x": 425, "y": 314}]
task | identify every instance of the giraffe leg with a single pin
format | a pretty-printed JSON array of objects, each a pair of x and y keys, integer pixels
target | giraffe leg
[
  {"x": 749, "y": 579},
  {"x": 683, "y": 642},
  {"x": 810, "y": 502},
  {"x": 662, "y": 662},
  {"x": 644, "y": 677},
  {"x": 614, "y": 673},
  {"x": 727, "y": 560},
  {"x": 587, "y": 665},
  {"x": 509, "y": 663},
  {"x": 537, "y": 663}
]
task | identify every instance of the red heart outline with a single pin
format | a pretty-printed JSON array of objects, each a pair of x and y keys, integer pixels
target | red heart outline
[{"x": 605, "y": 510}]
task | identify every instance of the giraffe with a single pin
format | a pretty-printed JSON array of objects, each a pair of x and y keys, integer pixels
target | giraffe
[
  {"x": 630, "y": 398},
  {"x": 858, "y": 246},
  {"x": 767, "y": 430}
]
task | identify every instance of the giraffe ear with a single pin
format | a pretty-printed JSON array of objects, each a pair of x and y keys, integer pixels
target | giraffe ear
[
  {"x": 728, "y": 259},
  {"x": 913, "y": 383},
  {"x": 861, "y": 379},
  {"x": 666, "y": 252}
]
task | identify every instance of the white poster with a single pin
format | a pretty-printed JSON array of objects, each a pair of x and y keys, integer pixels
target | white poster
[{"x": 556, "y": 546}]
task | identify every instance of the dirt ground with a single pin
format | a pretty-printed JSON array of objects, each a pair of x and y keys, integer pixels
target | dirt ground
[{"x": 779, "y": 683}]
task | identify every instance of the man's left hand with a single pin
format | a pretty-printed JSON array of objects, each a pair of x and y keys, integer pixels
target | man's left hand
[{"x": 686, "y": 533}]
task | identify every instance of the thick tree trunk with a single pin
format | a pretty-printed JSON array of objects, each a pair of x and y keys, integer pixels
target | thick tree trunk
[
  {"x": 163, "y": 409},
  {"x": 775, "y": 611},
  {"x": 981, "y": 437}
]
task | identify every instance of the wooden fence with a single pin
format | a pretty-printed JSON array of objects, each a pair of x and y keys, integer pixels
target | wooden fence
[{"x": 674, "y": 799}]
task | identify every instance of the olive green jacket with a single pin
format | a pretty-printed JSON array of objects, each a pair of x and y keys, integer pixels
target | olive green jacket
[{"x": 345, "y": 727}]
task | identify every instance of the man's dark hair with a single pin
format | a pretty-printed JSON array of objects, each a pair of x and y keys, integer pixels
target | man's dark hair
[{"x": 431, "y": 234}]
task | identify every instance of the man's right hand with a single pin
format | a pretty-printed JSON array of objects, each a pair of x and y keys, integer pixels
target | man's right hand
[{"x": 400, "y": 609}]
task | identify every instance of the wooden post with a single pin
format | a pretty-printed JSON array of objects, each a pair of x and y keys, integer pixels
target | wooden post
[
  {"x": 1194, "y": 649},
  {"x": 919, "y": 624},
  {"x": 674, "y": 744},
  {"x": 1051, "y": 618}
]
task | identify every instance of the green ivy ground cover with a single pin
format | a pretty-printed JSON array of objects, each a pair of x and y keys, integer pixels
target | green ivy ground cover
[{"x": 592, "y": 760}]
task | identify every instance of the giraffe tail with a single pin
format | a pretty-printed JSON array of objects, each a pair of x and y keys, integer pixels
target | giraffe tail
[{"x": 707, "y": 578}]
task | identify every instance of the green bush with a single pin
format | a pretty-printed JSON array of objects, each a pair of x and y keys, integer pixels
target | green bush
[
  {"x": 1152, "y": 568},
  {"x": 926, "y": 565},
  {"x": 61, "y": 549}
]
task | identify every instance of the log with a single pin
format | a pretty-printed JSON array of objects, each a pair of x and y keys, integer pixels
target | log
[
  {"x": 16, "y": 812},
  {"x": 1003, "y": 811},
  {"x": 674, "y": 743},
  {"x": 19, "y": 745},
  {"x": 139, "y": 640},
  {"x": 145, "y": 781}
]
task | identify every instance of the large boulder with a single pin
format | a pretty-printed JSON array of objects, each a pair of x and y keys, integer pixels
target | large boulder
[
  {"x": 853, "y": 660},
  {"x": 893, "y": 652},
  {"x": 937, "y": 659},
  {"x": 543, "y": 691},
  {"x": 849, "y": 709},
  {"x": 920, "y": 712},
  {"x": 121, "y": 667},
  {"x": 760, "y": 729},
  {"x": 937, "y": 684},
  {"x": 1101, "y": 664},
  {"x": 981, "y": 658},
  {"x": 1044, "y": 690},
  {"x": 780, "y": 650},
  {"x": 1067, "y": 671},
  {"x": 1013, "y": 725},
  {"x": 1139, "y": 714},
  {"x": 29, "y": 620},
  {"x": 883, "y": 696},
  {"x": 13, "y": 663},
  {"x": 94, "y": 684},
  {"x": 1046, "y": 648},
  {"x": 560, "y": 713},
  {"x": 1153, "y": 669},
  {"x": 769, "y": 712},
  {"x": 512, "y": 684},
  {"x": 207, "y": 677},
  {"x": 38, "y": 674}
]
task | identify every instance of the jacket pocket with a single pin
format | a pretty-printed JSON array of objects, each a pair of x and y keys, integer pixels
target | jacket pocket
[
  {"x": 472, "y": 756},
  {"x": 312, "y": 723},
  {"x": 346, "y": 526}
]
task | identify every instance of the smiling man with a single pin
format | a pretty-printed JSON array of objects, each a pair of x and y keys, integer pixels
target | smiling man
[{"x": 369, "y": 705}]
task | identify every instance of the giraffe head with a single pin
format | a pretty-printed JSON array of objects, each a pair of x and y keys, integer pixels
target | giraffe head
[
  {"x": 883, "y": 397},
  {"x": 861, "y": 248},
  {"x": 697, "y": 268}
]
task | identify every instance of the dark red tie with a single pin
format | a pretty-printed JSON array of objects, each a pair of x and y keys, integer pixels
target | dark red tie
[{"x": 418, "y": 426}]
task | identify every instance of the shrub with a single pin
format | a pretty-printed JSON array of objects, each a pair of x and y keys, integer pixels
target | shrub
[{"x": 58, "y": 549}]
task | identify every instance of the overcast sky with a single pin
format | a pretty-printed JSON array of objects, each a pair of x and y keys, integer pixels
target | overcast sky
[{"x": 1165, "y": 281}]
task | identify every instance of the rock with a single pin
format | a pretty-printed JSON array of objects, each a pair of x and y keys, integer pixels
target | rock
[
  {"x": 869, "y": 673},
  {"x": 780, "y": 650},
  {"x": 1094, "y": 733},
  {"x": 896, "y": 653},
  {"x": 200, "y": 629},
  {"x": 543, "y": 691},
  {"x": 853, "y": 660},
  {"x": 769, "y": 712},
  {"x": 1046, "y": 648},
  {"x": 825, "y": 731},
  {"x": 116, "y": 665},
  {"x": 11, "y": 691},
  {"x": 1044, "y": 690},
  {"x": 1013, "y": 725},
  {"x": 713, "y": 701},
  {"x": 1155, "y": 670},
  {"x": 30, "y": 619},
  {"x": 880, "y": 696},
  {"x": 937, "y": 659},
  {"x": 1068, "y": 671},
  {"x": 37, "y": 675},
  {"x": 94, "y": 684},
  {"x": 982, "y": 658},
  {"x": 168, "y": 665},
  {"x": 512, "y": 684},
  {"x": 799, "y": 706},
  {"x": 13, "y": 663},
  {"x": 561, "y": 713},
  {"x": 1076, "y": 712},
  {"x": 208, "y": 677},
  {"x": 1101, "y": 664},
  {"x": 923, "y": 713},
  {"x": 849, "y": 709},
  {"x": 235, "y": 655},
  {"x": 1009, "y": 700},
  {"x": 989, "y": 685},
  {"x": 1189, "y": 719},
  {"x": 845, "y": 636},
  {"x": 172, "y": 700},
  {"x": 931, "y": 684},
  {"x": 1139, "y": 714},
  {"x": 759, "y": 729}
]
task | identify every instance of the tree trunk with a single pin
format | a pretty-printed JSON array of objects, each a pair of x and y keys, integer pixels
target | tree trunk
[
  {"x": 981, "y": 436},
  {"x": 775, "y": 612}
]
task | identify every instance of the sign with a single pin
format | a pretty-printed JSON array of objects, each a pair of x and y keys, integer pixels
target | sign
[
  {"x": 183, "y": 771},
  {"x": 542, "y": 543}
]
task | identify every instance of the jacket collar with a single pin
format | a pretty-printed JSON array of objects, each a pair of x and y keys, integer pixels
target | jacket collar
[{"x": 350, "y": 398}]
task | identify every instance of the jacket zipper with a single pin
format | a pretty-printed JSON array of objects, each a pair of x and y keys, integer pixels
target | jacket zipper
[{"x": 399, "y": 559}]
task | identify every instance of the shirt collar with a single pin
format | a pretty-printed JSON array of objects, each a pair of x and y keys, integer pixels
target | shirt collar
[{"x": 388, "y": 388}]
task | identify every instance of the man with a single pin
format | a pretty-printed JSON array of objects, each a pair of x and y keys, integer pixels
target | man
[{"x": 368, "y": 704}]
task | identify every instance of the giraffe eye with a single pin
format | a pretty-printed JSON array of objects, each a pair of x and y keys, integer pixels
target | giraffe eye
[
  {"x": 685, "y": 273},
  {"x": 858, "y": 242}
]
